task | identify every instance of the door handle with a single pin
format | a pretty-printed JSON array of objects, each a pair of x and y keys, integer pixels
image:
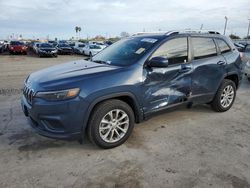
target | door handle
[{"x": 221, "y": 63}]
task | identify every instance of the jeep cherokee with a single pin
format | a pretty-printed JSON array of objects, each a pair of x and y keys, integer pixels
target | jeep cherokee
[{"x": 129, "y": 81}]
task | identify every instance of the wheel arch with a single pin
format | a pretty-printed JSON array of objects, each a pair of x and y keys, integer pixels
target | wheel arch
[
  {"x": 126, "y": 97},
  {"x": 233, "y": 77}
]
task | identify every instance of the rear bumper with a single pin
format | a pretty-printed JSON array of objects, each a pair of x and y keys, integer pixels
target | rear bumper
[{"x": 59, "y": 120}]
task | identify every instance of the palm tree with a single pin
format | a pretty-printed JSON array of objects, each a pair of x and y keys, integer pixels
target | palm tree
[
  {"x": 76, "y": 29},
  {"x": 79, "y": 30}
]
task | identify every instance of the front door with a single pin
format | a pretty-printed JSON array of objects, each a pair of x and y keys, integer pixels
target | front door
[{"x": 170, "y": 85}]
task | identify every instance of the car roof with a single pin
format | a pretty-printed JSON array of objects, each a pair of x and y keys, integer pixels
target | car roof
[{"x": 165, "y": 34}]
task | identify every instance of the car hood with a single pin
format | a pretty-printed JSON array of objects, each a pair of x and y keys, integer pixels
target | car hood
[{"x": 66, "y": 73}]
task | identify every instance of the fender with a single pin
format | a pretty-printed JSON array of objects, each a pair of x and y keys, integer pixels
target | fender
[{"x": 137, "y": 109}]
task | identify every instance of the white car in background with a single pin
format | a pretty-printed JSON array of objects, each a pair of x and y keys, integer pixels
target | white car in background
[
  {"x": 36, "y": 46},
  {"x": 78, "y": 47},
  {"x": 92, "y": 49},
  {"x": 99, "y": 43}
]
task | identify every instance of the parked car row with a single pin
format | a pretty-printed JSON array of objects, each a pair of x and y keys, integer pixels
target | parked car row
[{"x": 53, "y": 48}]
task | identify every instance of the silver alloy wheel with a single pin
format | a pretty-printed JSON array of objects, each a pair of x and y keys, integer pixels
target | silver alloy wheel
[
  {"x": 227, "y": 96},
  {"x": 114, "y": 125}
]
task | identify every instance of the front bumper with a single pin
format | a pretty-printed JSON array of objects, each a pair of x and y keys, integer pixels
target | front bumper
[
  {"x": 65, "y": 52},
  {"x": 47, "y": 53},
  {"x": 18, "y": 51},
  {"x": 60, "y": 120}
]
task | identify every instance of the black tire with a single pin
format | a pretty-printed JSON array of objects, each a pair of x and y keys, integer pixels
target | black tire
[
  {"x": 216, "y": 103},
  {"x": 99, "y": 112},
  {"x": 90, "y": 54},
  {"x": 248, "y": 78}
]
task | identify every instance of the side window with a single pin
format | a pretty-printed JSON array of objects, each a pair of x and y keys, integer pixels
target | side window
[
  {"x": 176, "y": 50},
  {"x": 203, "y": 47},
  {"x": 224, "y": 48}
]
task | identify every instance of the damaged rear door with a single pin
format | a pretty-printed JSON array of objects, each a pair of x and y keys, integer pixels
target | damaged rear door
[{"x": 167, "y": 86}]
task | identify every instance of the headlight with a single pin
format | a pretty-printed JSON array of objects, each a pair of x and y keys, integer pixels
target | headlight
[
  {"x": 54, "y": 51},
  {"x": 58, "y": 95},
  {"x": 41, "y": 50},
  {"x": 248, "y": 64}
]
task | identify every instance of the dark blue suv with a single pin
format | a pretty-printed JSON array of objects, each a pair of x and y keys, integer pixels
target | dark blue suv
[{"x": 129, "y": 81}]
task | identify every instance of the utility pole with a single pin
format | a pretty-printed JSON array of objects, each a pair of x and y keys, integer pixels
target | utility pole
[
  {"x": 248, "y": 28},
  {"x": 201, "y": 27},
  {"x": 225, "y": 25}
]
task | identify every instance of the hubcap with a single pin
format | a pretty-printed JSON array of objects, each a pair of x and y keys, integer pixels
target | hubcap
[
  {"x": 227, "y": 96},
  {"x": 114, "y": 125}
]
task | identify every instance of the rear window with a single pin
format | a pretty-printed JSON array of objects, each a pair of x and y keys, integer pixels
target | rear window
[
  {"x": 203, "y": 47},
  {"x": 94, "y": 47},
  {"x": 223, "y": 46}
]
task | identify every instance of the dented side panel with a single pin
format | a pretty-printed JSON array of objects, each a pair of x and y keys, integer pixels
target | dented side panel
[{"x": 165, "y": 86}]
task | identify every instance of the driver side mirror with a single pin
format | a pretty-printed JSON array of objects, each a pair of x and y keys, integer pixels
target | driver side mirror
[{"x": 158, "y": 61}]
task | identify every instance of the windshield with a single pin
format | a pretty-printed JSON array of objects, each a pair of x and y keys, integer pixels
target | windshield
[
  {"x": 125, "y": 52},
  {"x": 16, "y": 43},
  {"x": 46, "y": 45},
  {"x": 63, "y": 45}
]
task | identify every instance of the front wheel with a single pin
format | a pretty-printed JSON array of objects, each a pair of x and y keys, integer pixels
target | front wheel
[
  {"x": 111, "y": 124},
  {"x": 225, "y": 96}
]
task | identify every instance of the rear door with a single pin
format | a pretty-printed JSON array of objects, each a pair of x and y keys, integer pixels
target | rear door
[
  {"x": 170, "y": 85},
  {"x": 209, "y": 68},
  {"x": 231, "y": 55}
]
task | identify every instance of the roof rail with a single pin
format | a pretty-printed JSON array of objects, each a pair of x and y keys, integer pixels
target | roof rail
[
  {"x": 151, "y": 32},
  {"x": 199, "y": 31},
  {"x": 179, "y": 32}
]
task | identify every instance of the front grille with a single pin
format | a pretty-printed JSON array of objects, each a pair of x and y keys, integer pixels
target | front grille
[{"x": 28, "y": 93}]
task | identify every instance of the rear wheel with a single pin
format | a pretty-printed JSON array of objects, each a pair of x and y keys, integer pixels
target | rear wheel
[
  {"x": 225, "y": 96},
  {"x": 111, "y": 124}
]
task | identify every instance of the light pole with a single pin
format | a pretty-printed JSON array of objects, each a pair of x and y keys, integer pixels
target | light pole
[
  {"x": 201, "y": 27},
  {"x": 225, "y": 27},
  {"x": 248, "y": 28}
]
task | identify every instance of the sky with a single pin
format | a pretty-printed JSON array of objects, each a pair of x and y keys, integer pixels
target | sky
[{"x": 58, "y": 18}]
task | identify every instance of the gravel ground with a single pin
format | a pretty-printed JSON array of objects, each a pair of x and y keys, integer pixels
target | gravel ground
[{"x": 185, "y": 148}]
